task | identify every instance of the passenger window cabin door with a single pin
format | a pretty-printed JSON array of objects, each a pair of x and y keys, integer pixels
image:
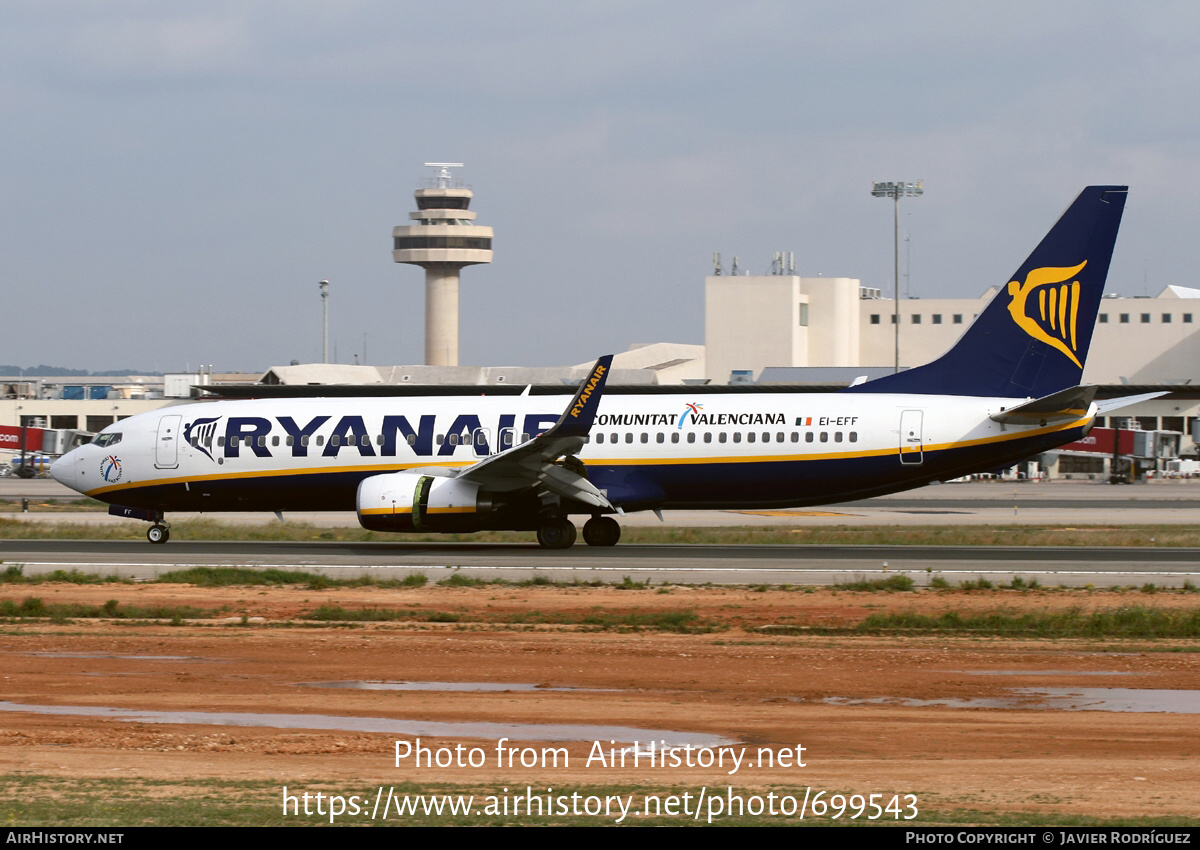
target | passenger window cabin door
[
  {"x": 911, "y": 440},
  {"x": 166, "y": 443}
]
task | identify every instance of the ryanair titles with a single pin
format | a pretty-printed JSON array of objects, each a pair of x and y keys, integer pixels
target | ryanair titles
[
  {"x": 586, "y": 393},
  {"x": 425, "y": 435},
  {"x": 326, "y": 436}
]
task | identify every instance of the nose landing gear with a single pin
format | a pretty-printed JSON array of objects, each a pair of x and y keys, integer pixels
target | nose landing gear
[{"x": 158, "y": 533}]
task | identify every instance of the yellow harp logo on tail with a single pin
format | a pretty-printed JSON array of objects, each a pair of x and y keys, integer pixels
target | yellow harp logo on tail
[{"x": 1055, "y": 308}]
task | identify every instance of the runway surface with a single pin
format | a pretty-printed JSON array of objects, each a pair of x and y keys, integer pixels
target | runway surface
[
  {"x": 967, "y": 503},
  {"x": 692, "y": 564},
  {"x": 1069, "y": 503}
]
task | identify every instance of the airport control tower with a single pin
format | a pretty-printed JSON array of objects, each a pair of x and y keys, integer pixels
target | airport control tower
[{"x": 444, "y": 239}]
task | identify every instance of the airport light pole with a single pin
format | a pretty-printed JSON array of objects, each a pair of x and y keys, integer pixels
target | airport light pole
[
  {"x": 325, "y": 310},
  {"x": 896, "y": 191}
]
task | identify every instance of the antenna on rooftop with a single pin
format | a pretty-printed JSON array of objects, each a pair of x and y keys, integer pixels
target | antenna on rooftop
[{"x": 443, "y": 179}]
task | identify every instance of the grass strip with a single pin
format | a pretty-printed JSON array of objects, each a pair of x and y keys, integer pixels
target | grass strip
[
  {"x": 891, "y": 583},
  {"x": 15, "y": 575},
  {"x": 33, "y": 607},
  {"x": 336, "y": 613},
  {"x": 247, "y": 577},
  {"x": 1126, "y": 622},
  {"x": 679, "y": 621},
  {"x": 48, "y": 801},
  {"x": 1156, "y": 536}
]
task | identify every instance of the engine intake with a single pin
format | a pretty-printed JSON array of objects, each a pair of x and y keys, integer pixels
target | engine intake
[{"x": 409, "y": 501}]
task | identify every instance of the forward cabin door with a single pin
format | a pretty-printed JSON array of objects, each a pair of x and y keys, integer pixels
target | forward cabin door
[
  {"x": 166, "y": 444},
  {"x": 911, "y": 440}
]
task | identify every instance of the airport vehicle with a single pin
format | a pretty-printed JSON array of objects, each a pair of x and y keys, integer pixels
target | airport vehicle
[{"x": 1008, "y": 389}]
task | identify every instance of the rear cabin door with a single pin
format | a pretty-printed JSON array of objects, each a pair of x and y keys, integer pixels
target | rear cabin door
[
  {"x": 911, "y": 440},
  {"x": 166, "y": 445}
]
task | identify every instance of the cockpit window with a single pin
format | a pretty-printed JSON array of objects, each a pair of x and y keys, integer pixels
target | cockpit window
[{"x": 107, "y": 439}]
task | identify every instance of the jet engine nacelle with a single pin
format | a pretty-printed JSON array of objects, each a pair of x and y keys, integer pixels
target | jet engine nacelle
[{"x": 409, "y": 501}]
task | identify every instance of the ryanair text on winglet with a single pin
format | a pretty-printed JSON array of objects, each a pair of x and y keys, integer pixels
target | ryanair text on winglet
[{"x": 587, "y": 392}]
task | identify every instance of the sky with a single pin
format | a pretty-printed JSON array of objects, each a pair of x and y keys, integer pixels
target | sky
[{"x": 175, "y": 178}]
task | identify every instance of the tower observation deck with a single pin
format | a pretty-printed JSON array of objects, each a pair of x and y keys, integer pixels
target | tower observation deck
[{"x": 444, "y": 239}]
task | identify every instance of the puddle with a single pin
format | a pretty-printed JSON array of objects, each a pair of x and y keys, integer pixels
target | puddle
[
  {"x": 975, "y": 702},
  {"x": 111, "y": 675},
  {"x": 114, "y": 655},
  {"x": 1049, "y": 672},
  {"x": 1119, "y": 699},
  {"x": 1058, "y": 699},
  {"x": 445, "y": 686},
  {"x": 388, "y": 725}
]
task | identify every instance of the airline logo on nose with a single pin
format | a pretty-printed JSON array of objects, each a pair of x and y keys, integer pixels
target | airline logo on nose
[
  {"x": 200, "y": 434},
  {"x": 110, "y": 469},
  {"x": 1046, "y": 306}
]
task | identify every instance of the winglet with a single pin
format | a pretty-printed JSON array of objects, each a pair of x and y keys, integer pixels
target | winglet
[{"x": 577, "y": 419}]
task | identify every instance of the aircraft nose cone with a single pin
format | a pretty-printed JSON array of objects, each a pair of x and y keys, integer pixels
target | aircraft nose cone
[{"x": 63, "y": 470}]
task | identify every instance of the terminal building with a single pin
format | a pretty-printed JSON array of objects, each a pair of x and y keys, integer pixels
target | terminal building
[
  {"x": 827, "y": 332},
  {"x": 760, "y": 322}
]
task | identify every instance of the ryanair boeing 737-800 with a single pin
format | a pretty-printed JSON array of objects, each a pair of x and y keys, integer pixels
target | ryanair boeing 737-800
[{"x": 1008, "y": 389}]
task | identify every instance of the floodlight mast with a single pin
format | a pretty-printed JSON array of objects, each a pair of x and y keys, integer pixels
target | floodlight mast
[
  {"x": 324, "y": 285},
  {"x": 895, "y": 191}
]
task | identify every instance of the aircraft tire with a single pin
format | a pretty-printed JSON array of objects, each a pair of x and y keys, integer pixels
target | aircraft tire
[
  {"x": 557, "y": 534},
  {"x": 158, "y": 534},
  {"x": 601, "y": 531}
]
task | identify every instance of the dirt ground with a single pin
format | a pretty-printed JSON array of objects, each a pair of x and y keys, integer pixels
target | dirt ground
[{"x": 852, "y": 702}]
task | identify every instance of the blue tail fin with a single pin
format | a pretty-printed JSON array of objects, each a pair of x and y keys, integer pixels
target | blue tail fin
[{"x": 1032, "y": 339}]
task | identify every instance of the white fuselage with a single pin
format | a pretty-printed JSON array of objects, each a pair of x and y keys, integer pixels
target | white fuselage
[{"x": 644, "y": 451}]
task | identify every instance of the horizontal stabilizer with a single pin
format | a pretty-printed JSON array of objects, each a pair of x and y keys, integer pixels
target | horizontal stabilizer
[
  {"x": 1103, "y": 407},
  {"x": 1062, "y": 406}
]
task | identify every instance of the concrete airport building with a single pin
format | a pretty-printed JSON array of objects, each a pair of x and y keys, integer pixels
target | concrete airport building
[
  {"x": 755, "y": 322},
  {"x": 787, "y": 330}
]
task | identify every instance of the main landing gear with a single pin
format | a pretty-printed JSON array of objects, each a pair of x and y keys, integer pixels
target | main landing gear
[
  {"x": 601, "y": 531},
  {"x": 559, "y": 532},
  {"x": 556, "y": 533}
]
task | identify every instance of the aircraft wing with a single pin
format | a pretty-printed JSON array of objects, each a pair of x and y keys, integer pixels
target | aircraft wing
[
  {"x": 535, "y": 463},
  {"x": 1062, "y": 406}
]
